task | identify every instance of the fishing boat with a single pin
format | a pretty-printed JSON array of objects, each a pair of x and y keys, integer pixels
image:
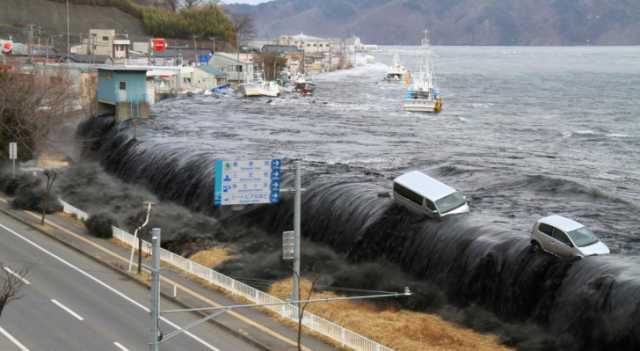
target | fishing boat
[
  {"x": 303, "y": 86},
  {"x": 259, "y": 87},
  {"x": 422, "y": 95},
  {"x": 397, "y": 72}
]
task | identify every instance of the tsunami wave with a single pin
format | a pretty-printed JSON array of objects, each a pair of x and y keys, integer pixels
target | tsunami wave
[{"x": 585, "y": 304}]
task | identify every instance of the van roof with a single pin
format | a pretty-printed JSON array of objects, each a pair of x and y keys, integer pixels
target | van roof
[
  {"x": 562, "y": 223},
  {"x": 424, "y": 185}
]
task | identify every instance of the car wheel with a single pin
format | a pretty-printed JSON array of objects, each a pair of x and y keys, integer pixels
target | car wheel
[{"x": 535, "y": 247}]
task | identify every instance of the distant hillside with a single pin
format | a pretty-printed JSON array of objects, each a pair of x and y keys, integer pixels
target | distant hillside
[
  {"x": 17, "y": 15},
  {"x": 46, "y": 20},
  {"x": 455, "y": 22}
]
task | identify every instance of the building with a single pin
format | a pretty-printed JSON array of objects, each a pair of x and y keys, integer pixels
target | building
[
  {"x": 101, "y": 42},
  {"x": 307, "y": 43},
  {"x": 121, "y": 47},
  {"x": 238, "y": 68},
  {"x": 207, "y": 77},
  {"x": 123, "y": 91}
]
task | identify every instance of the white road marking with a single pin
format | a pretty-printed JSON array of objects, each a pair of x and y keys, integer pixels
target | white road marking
[
  {"x": 105, "y": 285},
  {"x": 120, "y": 346},
  {"x": 16, "y": 275},
  {"x": 67, "y": 309},
  {"x": 13, "y": 340}
]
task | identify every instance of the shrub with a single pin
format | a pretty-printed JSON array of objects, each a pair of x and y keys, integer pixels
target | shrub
[
  {"x": 32, "y": 199},
  {"x": 99, "y": 225}
]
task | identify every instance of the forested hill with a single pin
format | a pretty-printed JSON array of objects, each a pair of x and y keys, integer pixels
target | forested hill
[
  {"x": 137, "y": 18},
  {"x": 455, "y": 22}
]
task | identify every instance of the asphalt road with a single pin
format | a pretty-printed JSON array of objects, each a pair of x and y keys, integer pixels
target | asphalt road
[{"x": 73, "y": 303}]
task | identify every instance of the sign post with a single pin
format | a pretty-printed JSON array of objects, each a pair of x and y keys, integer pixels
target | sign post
[
  {"x": 296, "y": 229},
  {"x": 13, "y": 156},
  {"x": 155, "y": 290}
]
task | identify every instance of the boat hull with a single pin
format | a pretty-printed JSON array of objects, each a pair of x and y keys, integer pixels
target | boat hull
[
  {"x": 424, "y": 106},
  {"x": 254, "y": 90}
]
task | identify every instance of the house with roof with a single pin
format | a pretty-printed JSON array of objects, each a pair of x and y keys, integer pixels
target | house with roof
[
  {"x": 207, "y": 77},
  {"x": 238, "y": 68},
  {"x": 123, "y": 92}
]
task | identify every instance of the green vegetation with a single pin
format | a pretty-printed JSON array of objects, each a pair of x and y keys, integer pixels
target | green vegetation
[{"x": 200, "y": 21}]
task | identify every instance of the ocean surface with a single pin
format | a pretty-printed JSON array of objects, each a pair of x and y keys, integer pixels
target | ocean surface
[{"x": 525, "y": 132}]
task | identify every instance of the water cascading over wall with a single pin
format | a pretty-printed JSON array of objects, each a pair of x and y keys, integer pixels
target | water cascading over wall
[{"x": 588, "y": 304}]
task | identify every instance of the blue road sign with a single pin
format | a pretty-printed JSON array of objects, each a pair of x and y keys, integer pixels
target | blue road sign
[{"x": 247, "y": 182}]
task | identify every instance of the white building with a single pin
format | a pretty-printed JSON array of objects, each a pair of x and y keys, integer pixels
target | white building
[
  {"x": 308, "y": 43},
  {"x": 238, "y": 67}
]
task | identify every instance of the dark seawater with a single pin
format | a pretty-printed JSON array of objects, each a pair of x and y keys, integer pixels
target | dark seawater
[{"x": 525, "y": 132}]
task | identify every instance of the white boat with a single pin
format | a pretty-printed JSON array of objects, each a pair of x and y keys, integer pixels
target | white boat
[
  {"x": 422, "y": 95},
  {"x": 303, "y": 85},
  {"x": 260, "y": 87},
  {"x": 397, "y": 72}
]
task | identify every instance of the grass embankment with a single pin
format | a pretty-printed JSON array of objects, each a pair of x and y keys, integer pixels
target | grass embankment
[
  {"x": 401, "y": 330},
  {"x": 212, "y": 257}
]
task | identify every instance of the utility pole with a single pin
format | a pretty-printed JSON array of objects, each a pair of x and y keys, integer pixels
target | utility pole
[
  {"x": 68, "y": 34},
  {"x": 155, "y": 291},
  {"x": 295, "y": 296},
  {"x": 135, "y": 234},
  {"x": 30, "y": 43}
]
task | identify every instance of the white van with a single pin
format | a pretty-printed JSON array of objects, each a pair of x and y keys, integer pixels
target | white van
[{"x": 424, "y": 195}]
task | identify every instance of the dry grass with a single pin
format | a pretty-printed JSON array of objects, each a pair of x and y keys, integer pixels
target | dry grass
[
  {"x": 71, "y": 219},
  {"x": 212, "y": 257},
  {"x": 401, "y": 330}
]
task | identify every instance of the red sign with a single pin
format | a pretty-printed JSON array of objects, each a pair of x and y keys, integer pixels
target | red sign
[
  {"x": 7, "y": 46},
  {"x": 158, "y": 44}
]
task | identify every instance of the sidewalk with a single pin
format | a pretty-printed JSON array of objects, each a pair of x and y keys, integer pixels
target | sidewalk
[{"x": 253, "y": 325}]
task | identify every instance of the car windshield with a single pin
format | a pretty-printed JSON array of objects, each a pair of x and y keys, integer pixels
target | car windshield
[
  {"x": 450, "y": 202},
  {"x": 582, "y": 237}
]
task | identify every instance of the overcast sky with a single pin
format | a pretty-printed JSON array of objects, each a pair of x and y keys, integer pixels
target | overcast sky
[{"x": 253, "y": 2}]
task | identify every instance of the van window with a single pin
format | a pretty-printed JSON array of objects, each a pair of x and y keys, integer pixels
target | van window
[
  {"x": 405, "y": 192},
  {"x": 429, "y": 204},
  {"x": 545, "y": 228},
  {"x": 451, "y": 202},
  {"x": 561, "y": 236}
]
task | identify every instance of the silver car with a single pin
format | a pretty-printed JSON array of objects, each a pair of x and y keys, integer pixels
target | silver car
[{"x": 565, "y": 237}]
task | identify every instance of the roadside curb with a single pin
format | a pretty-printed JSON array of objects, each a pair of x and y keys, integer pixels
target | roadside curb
[{"x": 132, "y": 277}]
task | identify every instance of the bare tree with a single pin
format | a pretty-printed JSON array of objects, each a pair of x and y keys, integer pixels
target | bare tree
[
  {"x": 173, "y": 5},
  {"x": 51, "y": 178},
  {"x": 30, "y": 106},
  {"x": 244, "y": 27},
  {"x": 10, "y": 286},
  {"x": 191, "y": 3}
]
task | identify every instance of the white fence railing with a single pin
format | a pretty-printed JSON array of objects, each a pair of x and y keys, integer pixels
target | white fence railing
[
  {"x": 67, "y": 208},
  {"x": 339, "y": 334}
]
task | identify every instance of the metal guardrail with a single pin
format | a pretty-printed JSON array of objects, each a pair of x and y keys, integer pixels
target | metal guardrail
[{"x": 339, "y": 334}]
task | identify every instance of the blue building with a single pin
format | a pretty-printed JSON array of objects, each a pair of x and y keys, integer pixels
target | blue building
[{"x": 123, "y": 92}]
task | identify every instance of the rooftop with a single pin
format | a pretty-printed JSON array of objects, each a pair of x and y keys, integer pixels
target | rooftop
[
  {"x": 424, "y": 185},
  {"x": 212, "y": 70},
  {"x": 562, "y": 223},
  {"x": 121, "y": 68}
]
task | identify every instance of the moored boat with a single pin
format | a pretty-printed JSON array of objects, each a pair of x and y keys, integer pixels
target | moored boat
[
  {"x": 422, "y": 96},
  {"x": 397, "y": 72},
  {"x": 304, "y": 86}
]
